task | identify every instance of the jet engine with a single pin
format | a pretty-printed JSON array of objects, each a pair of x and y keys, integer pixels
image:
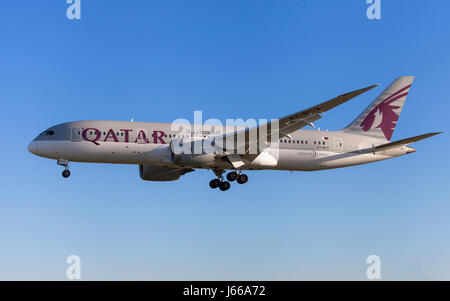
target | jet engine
[{"x": 161, "y": 173}]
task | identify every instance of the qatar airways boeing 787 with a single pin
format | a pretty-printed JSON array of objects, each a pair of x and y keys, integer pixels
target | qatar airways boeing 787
[{"x": 166, "y": 151}]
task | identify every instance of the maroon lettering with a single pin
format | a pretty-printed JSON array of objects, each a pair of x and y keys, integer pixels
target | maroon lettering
[
  {"x": 141, "y": 136},
  {"x": 127, "y": 136},
  {"x": 156, "y": 137},
  {"x": 97, "y": 135},
  {"x": 112, "y": 135}
]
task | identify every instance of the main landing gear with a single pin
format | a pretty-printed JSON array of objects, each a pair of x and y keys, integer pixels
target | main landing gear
[
  {"x": 238, "y": 177},
  {"x": 231, "y": 176},
  {"x": 65, "y": 163}
]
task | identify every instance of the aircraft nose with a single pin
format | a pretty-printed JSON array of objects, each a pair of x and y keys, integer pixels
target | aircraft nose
[{"x": 32, "y": 147}]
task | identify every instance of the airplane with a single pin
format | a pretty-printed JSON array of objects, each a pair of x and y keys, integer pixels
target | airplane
[{"x": 281, "y": 144}]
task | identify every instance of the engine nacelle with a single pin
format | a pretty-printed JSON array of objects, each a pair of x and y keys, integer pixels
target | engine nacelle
[
  {"x": 161, "y": 173},
  {"x": 161, "y": 155}
]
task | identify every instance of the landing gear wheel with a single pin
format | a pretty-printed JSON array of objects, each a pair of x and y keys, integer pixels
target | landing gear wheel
[
  {"x": 243, "y": 178},
  {"x": 214, "y": 183},
  {"x": 232, "y": 176},
  {"x": 66, "y": 173},
  {"x": 224, "y": 185}
]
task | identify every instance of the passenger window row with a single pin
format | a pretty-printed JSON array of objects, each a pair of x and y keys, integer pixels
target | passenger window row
[{"x": 300, "y": 141}]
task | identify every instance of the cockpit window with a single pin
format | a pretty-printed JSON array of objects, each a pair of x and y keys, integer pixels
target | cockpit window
[{"x": 47, "y": 133}]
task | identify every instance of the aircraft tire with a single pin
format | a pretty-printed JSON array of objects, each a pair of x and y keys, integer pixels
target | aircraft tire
[
  {"x": 66, "y": 173},
  {"x": 224, "y": 185},
  {"x": 214, "y": 183},
  {"x": 242, "y": 179}
]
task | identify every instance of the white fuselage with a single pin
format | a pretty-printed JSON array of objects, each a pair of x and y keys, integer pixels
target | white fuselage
[{"x": 148, "y": 144}]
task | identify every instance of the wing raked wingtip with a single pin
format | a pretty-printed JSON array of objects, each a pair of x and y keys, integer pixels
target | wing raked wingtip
[
  {"x": 359, "y": 91},
  {"x": 436, "y": 133},
  {"x": 369, "y": 87}
]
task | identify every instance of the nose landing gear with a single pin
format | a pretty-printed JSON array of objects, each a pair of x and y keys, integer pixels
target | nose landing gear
[{"x": 65, "y": 163}]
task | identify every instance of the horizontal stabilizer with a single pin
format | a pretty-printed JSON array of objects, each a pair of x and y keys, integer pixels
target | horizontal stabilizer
[{"x": 403, "y": 142}]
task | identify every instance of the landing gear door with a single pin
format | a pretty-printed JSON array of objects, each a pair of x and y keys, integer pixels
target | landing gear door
[
  {"x": 338, "y": 145},
  {"x": 76, "y": 134}
]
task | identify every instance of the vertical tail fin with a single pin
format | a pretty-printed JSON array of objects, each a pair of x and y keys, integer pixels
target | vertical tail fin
[{"x": 380, "y": 117}]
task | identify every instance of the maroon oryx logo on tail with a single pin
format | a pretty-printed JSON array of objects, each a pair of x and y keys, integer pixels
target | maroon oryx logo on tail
[{"x": 383, "y": 116}]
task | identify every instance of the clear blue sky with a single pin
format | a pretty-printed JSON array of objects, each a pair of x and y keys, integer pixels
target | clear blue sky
[{"x": 161, "y": 60}]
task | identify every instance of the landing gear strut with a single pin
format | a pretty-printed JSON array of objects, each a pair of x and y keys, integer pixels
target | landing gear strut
[{"x": 65, "y": 163}]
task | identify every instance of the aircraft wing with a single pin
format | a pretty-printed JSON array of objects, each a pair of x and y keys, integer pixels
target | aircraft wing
[{"x": 286, "y": 125}]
